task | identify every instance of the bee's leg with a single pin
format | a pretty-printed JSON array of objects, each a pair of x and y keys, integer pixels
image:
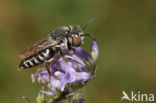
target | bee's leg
[
  {"x": 47, "y": 66},
  {"x": 65, "y": 57},
  {"x": 74, "y": 50},
  {"x": 61, "y": 52},
  {"x": 71, "y": 58}
]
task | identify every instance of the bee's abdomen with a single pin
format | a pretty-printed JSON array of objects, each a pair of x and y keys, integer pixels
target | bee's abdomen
[{"x": 36, "y": 59}]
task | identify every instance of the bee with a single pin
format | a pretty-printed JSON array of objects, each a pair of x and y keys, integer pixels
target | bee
[{"x": 60, "y": 39}]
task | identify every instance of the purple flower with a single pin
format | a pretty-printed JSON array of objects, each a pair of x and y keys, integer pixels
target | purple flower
[
  {"x": 70, "y": 72},
  {"x": 76, "y": 99}
]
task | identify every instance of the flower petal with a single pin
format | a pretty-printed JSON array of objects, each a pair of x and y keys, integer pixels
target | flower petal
[
  {"x": 82, "y": 54},
  {"x": 46, "y": 92},
  {"x": 94, "y": 50}
]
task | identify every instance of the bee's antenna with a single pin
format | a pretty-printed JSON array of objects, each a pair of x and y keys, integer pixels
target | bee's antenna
[
  {"x": 90, "y": 21},
  {"x": 90, "y": 35}
]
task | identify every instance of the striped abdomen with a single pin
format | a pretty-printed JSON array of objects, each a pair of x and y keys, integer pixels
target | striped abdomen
[{"x": 37, "y": 59}]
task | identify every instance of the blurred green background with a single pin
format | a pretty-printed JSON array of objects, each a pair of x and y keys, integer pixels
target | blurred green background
[{"x": 126, "y": 34}]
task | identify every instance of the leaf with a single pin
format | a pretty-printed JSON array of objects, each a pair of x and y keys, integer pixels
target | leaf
[{"x": 40, "y": 98}]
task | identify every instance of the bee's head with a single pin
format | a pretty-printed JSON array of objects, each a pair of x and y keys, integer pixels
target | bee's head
[{"x": 76, "y": 35}]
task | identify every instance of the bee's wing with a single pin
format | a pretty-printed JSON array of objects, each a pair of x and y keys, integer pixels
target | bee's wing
[{"x": 37, "y": 47}]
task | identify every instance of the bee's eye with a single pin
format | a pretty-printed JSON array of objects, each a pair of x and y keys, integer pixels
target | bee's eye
[{"x": 76, "y": 40}]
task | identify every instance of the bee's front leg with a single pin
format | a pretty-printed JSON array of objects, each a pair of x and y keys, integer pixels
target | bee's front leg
[
  {"x": 63, "y": 55},
  {"x": 68, "y": 57},
  {"x": 61, "y": 52},
  {"x": 73, "y": 49}
]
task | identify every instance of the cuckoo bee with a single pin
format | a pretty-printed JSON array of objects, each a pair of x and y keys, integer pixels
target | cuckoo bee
[{"x": 60, "y": 39}]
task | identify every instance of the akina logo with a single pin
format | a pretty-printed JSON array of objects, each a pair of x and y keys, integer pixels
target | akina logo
[{"x": 137, "y": 96}]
